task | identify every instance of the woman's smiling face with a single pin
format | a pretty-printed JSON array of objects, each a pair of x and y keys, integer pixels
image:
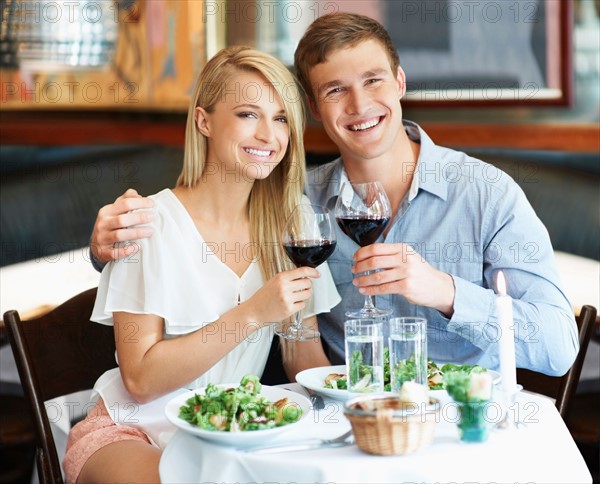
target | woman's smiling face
[{"x": 247, "y": 129}]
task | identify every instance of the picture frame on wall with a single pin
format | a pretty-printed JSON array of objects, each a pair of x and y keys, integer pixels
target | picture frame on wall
[
  {"x": 103, "y": 55},
  {"x": 454, "y": 52},
  {"x": 484, "y": 52}
]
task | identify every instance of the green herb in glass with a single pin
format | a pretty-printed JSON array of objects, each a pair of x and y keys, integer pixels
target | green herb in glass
[{"x": 472, "y": 392}]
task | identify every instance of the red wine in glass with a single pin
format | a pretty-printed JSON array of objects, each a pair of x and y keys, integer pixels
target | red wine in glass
[
  {"x": 308, "y": 239},
  {"x": 363, "y": 231},
  {"x": 311, "y": 253}
]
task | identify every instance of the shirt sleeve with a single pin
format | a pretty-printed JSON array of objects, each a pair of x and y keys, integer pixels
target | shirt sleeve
[{"x": 517, "y": 243}]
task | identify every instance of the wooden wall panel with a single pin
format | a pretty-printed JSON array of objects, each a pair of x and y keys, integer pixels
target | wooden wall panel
[
  {"x": 61, "y": 129},
  {"x": 580, "y": 138}
]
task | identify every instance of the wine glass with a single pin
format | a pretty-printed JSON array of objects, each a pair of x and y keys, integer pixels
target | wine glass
[
  {"x": 363, "y": 212},
  {"x": 308, "y": 240}
]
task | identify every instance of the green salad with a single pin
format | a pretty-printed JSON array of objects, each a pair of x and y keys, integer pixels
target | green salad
[
  {"x": 238, "y": 409},
  {"x": 405, "y": 371},
  {"x": 363, "y": 377}
]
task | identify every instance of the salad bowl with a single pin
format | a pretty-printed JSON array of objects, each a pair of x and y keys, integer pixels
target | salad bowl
[{"x": 240, "y": 438}]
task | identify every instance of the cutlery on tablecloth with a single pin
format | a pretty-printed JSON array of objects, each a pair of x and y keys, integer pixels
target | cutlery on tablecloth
[
  {"x": 309, "y": 444},
  {"x": 316, "y": 400}
]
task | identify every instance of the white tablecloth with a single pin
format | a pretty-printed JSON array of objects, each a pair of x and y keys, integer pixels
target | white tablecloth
[{"x": 542, "y": 452}]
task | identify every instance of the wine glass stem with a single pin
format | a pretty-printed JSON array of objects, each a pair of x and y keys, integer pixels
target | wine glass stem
[
  {"x": 298, "y": 320},
  {"x": 368, "y": 302}
]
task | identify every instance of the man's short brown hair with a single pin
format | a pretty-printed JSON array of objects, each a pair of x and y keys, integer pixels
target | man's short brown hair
[{"x": 335, "y": 31}]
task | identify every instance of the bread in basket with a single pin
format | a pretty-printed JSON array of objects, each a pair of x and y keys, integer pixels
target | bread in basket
[{"x": 387, "y": 425}]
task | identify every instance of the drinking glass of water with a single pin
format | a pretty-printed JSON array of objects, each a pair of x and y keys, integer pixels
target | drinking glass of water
[
  {"x": 408, "y": 351},
  {"x": 364, "y": 355}
]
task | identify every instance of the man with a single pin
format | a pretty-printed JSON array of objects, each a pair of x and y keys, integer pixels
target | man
[{"x": 456, "y": 220}]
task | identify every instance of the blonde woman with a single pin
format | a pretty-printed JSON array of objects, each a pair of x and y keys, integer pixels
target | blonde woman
[{"x": 197, "y": 301}]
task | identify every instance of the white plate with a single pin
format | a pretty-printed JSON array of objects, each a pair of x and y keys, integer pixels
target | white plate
[
  {"x": 314, "y": 379},
  {"x": 242, "y": 438}
]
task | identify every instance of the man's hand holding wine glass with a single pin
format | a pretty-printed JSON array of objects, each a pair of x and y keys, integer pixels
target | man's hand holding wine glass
[{"x": 399, "y": 269}]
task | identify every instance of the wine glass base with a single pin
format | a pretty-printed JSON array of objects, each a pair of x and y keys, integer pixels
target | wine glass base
[
  {"x": 291, "y": 332},
  {"x": 368, "y": 313}
]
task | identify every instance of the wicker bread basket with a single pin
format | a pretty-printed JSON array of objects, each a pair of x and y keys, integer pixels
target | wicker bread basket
[{"x": 384, "y": 425}]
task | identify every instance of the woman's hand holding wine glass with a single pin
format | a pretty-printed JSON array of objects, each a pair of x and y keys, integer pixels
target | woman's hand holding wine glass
[
  {"x": 284, "y": 294},
  {"x": 363, "y": 211},
  {"x": 308, "y": 240}
]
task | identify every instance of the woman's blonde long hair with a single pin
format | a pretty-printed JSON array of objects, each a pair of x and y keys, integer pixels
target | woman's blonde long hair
[{"x": 273, "y": 198}]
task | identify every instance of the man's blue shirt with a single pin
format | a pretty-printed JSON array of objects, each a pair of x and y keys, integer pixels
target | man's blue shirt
[{"x": 469, "y": 219}]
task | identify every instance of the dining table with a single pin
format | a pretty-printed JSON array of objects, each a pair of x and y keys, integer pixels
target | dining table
[{"x": 539, "y": 449}]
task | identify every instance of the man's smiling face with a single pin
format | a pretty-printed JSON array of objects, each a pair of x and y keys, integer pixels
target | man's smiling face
[{"x": 358, "y": 100}]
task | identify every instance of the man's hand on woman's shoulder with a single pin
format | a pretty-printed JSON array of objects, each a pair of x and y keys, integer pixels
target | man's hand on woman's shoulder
[{"x": 118, "y": 222}]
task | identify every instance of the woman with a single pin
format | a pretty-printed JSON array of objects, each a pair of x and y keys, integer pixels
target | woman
[{"x": 197, "y": 303}]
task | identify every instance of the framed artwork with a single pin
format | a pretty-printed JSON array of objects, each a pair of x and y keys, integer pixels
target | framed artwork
[
  {"x": 100, "y": 54},
  {"x": 454, "y": 52},
  {"x": 143, "y": 55}
]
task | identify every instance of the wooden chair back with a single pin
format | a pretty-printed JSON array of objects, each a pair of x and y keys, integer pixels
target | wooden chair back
[
  {"x": 563, "y": 388},
  {"x": 57, "y": 354}
]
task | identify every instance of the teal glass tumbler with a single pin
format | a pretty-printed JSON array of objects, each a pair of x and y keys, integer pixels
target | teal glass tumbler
[{"x": 473, "y": 424}]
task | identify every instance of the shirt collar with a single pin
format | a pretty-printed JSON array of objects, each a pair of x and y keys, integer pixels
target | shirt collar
[
  {"x": 428, "y": 175},
  {"x": 336, "y": 178}
]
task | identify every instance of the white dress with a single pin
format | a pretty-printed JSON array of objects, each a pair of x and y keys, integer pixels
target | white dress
[{"x": 177, "y": 276}]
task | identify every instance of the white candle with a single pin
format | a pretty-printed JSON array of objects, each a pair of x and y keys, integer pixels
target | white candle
[{"x": 508, "y": 366}]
